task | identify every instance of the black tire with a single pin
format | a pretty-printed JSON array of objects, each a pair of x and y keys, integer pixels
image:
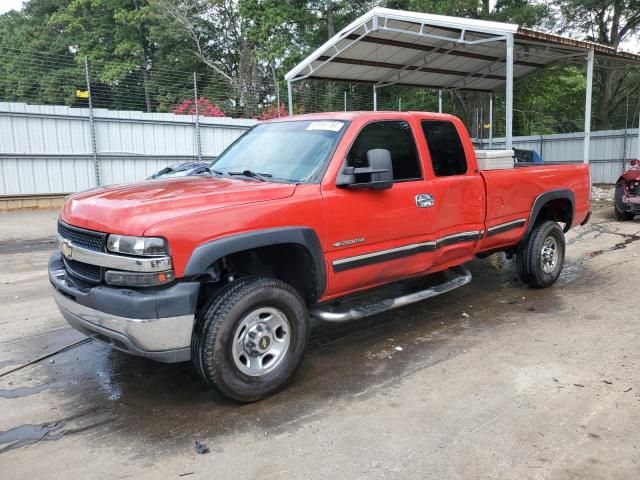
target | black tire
[
  {"x": 618, "y": 206},
  {"x": 529, "y": 258},
  {"x": 215, "y": 328}
]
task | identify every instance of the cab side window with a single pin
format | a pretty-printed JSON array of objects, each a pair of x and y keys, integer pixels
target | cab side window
[
  {"x": 445, "y": 148},
  {"x": 394, "y": 136}
]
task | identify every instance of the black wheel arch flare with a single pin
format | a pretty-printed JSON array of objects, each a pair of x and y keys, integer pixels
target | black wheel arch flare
[
  {"x": 543, "y": 199},
  {"x": 206, "y": 254}
]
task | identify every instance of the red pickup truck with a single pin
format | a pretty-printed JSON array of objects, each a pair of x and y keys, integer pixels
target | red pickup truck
[{"x": 334, "y": 216}]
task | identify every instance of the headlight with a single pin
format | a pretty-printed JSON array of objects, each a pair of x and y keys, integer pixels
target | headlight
[
  {"x": 145, "y": 246},
  {"x": 135, "y": 279}
]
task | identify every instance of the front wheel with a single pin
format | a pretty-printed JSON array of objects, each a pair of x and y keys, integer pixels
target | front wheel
[
  {"x": 540, "y": 256},
  {"x": 250, "y": 338}
]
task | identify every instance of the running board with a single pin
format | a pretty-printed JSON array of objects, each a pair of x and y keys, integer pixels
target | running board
[{"x": 454, "y": 278}]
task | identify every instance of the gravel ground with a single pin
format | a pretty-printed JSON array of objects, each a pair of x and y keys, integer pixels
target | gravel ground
[
  {"x": 602, "y": 195},
  {"x": 493, "y": 380}
]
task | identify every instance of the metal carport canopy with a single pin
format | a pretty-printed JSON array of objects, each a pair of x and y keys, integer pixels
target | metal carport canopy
[{"x": 394, "y": 47}]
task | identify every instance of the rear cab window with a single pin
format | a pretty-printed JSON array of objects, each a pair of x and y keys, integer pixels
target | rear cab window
[
  {"x": 445, "y": 148},
  {"x": 395, "y": 136}
]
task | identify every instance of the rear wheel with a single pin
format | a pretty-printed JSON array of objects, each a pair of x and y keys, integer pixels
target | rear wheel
[
  {"x": 618, "y": 205},
  {"x": 250, "y": 338},
  {"x": 540, "y": 256}
]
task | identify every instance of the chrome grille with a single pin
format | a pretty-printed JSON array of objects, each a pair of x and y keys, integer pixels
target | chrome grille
[{"x": 83, "y": 238}]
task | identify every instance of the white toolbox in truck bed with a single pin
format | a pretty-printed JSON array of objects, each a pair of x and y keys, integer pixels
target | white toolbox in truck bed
[{"x": 495, "y": 159}]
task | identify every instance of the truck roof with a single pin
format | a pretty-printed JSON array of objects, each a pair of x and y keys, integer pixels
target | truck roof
[{"x": 377, "y": 115}]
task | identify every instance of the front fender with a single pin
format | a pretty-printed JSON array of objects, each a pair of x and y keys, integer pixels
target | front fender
[{"x": 208, "y": 253}]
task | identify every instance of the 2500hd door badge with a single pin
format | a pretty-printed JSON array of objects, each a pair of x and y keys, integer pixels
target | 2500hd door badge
[{"x": 353, "y": 241}]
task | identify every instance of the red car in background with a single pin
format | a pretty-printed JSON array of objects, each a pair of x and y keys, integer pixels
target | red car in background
[{"x": 627, "y": 194}]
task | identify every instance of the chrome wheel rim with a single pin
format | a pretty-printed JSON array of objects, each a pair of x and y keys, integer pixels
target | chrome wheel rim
[
  {"x": 550, "y": 254},
  {"x": 261, "y": 341}
]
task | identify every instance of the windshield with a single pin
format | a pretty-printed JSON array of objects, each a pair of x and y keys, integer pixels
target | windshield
[{"x": 288, "y": 151}]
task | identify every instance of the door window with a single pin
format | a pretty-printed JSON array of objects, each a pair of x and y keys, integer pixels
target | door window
[
  {"x": 445, "y": 148},
  {"x": 393, "y": 136}
]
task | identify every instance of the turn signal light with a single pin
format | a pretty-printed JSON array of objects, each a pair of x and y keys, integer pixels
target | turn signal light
[{"x": 135, "y": 279}]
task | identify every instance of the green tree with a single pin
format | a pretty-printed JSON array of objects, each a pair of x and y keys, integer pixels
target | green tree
[
  {"x": 216, "y": 31},
  {"x": 550, "y": 101},
  {"x": 286, "y": 32},
  {"x": 521, "y": 12},
  {"x": 114, "y": 34},
  {"x": 36, "y": 63},
  {"x": 609, "y": 22}
]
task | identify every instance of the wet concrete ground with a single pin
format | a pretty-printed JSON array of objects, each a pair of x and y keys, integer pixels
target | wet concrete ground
[{"x": 533, "y": 384}]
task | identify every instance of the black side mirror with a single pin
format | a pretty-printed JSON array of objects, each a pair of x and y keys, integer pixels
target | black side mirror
[{"x": 377, "y": 176}]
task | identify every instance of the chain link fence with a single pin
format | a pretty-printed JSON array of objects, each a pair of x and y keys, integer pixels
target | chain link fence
[
  {"x": 546, "y": 104},
  {"x": 47, "y": 79}
]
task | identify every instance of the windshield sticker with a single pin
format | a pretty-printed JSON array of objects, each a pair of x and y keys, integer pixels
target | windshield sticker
[{"x": 325, "y": 125}]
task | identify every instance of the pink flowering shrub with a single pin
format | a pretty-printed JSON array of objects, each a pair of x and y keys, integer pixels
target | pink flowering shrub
[
  {"x": 275, "y": 111},
  {"x": 205, "y": 108}
]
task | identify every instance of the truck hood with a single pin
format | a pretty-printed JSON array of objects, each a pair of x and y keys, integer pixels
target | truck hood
[{"x": 131, "y": 209}]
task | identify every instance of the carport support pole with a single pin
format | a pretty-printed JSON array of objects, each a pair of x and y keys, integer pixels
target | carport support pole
[
  {"x": 587, "y": 106},
  {"x": 290, "y": 96},
  {"x": 197, "y": 112},
  {"x": 490, "y": 119},
  {"x": 375, "y": 99},
  {"x": 509, "y": 95},
  {"x": 439, "y": 101}
]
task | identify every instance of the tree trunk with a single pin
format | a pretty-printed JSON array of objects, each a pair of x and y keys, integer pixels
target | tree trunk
[
  {"x": 331, "y": 26},
  {"x": 147, "y": 94},
  {"x": 606, "y": 82},
  {"x": 145, "y": 57},
  {"x": 276, "y": 87},
  {"x": 331, "y": 31}
]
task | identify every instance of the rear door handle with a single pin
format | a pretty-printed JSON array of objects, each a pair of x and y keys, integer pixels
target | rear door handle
[{"x": 424, "y": 200}]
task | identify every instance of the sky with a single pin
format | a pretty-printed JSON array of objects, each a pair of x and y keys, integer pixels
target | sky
[{"x": 6, "y": 5}]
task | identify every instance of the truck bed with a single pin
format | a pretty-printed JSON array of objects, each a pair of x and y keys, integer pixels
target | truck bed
[{"x": 512, "y": 192}]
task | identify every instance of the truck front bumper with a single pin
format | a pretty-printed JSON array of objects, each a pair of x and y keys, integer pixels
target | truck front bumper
[{"x": 151, "y": 323}]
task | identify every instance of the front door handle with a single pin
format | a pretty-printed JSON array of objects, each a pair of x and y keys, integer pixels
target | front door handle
[{"x": 424, "y": 200}]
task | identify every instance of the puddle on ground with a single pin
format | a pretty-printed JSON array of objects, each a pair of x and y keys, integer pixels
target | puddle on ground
[
  {"x": 30, "y": 434},
  {"x": 20, "y": 392},
  {"x": 618, "y": 246},
  {"x": 26, "y": 435}
]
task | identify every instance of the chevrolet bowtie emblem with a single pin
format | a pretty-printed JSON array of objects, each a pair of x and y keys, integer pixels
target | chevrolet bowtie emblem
[{"x": 66, "y": 247}]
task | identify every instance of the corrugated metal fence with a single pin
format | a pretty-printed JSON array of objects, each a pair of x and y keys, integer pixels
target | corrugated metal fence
[
  {"x": 48, "y": 149},
  {"x": 609, "y": 151}
]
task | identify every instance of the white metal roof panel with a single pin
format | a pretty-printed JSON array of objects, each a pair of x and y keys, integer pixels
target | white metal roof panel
[{"x": 397, "y": 47}]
